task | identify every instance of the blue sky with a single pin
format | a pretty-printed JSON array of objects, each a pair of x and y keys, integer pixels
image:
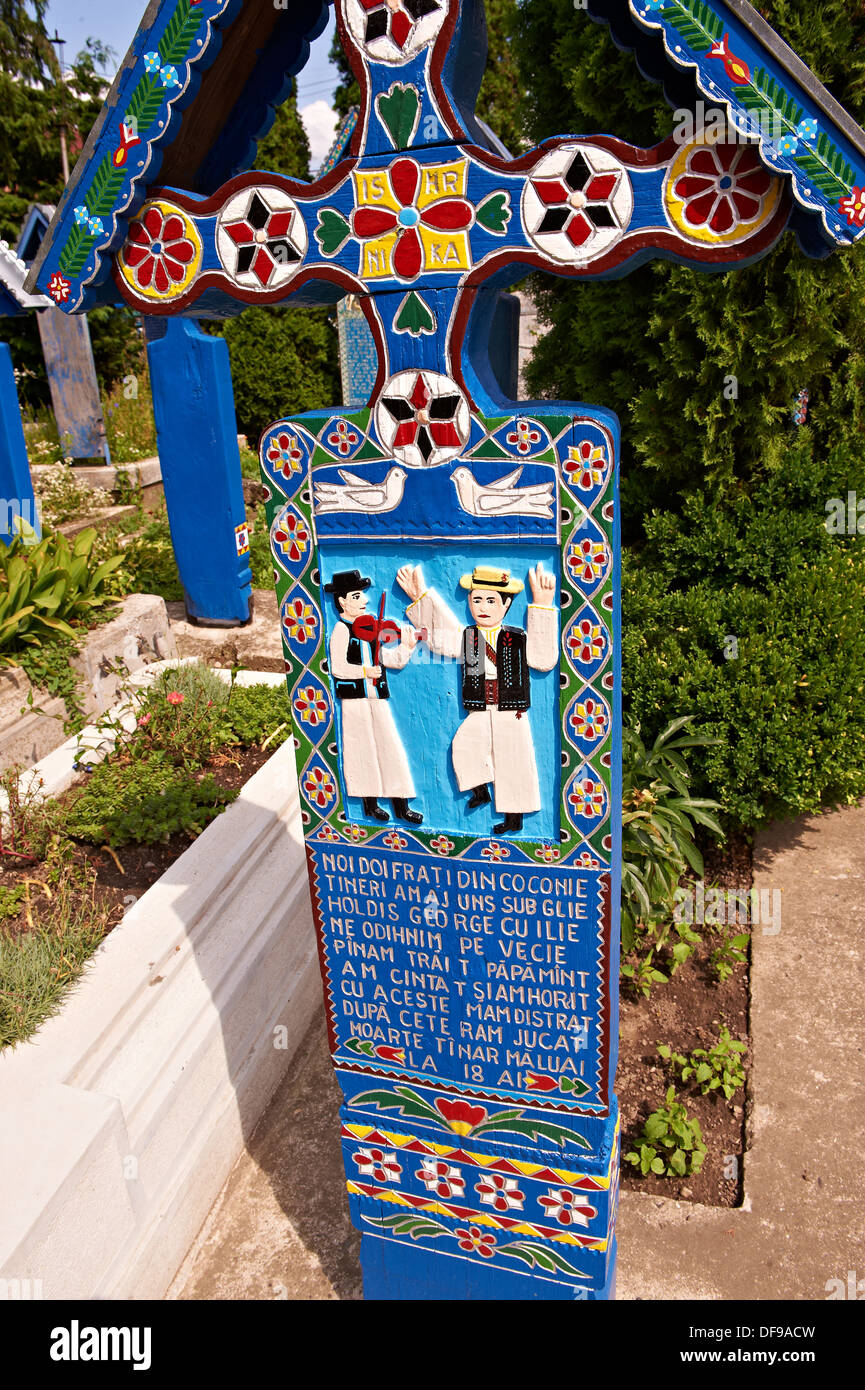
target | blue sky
[{"x": 114, "y": 22}]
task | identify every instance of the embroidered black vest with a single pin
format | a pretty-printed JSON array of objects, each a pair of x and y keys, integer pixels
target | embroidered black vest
[
  {"x": 356, "y": 690},
  {"x": 513, "y": 669}
]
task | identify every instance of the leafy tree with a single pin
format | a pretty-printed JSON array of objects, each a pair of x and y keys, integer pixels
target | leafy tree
[
  {"x": 283, "y": 361},
  {"x": 285, "y": 148}
]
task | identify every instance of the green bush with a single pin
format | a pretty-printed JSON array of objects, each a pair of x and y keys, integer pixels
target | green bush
[
  {"x": 283, "y": 362},
  {"x": 143, "y": 802},
  {"x": 257, "y": 714},
  {"x": 659, "y": 821},
  {"x": 149, "y": 566},
  {"x": 46, "y": 587},
  {"x": 671, "y": 1145},
  {"x": 748, "y": 611}
]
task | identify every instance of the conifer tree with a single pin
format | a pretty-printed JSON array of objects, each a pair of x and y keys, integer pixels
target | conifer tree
[{"x": 659, "y": 346}]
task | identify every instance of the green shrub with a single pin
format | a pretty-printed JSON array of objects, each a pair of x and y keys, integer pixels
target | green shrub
[
  {"x": 671, "y": 1144},
  {"x": 149, "y": 566},
  {"x": 283, "y": 362},
  {"x": 718, "y": 1068},
  {"x": 259, "y": 714},
  {"x": 45, "y": 588},
  {"x": 659, "y": 820},
  {"x": 143, "y": 802},
  {"x": 37, "y": 967}
]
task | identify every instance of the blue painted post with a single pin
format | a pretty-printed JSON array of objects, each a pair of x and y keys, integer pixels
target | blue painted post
[
  {"x": 17, "y": 503},
  {"x": 193, "y": 402}
]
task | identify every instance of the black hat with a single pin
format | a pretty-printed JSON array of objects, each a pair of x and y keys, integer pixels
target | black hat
[{"x": 346, "y": 582}]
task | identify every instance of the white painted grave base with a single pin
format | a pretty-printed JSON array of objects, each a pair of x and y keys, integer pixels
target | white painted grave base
[{"x": 121, "y": 1121}]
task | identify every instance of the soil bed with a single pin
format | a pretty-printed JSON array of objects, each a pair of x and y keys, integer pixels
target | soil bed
[
  {"x": 687, "y": 1013},
  {"x": 117, "y": 888}
]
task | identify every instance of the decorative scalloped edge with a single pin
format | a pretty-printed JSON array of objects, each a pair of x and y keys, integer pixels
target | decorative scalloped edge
[{"x": 742, "y": 122}]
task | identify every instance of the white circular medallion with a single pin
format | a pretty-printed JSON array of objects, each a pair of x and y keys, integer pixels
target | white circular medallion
[
  {"x": 422, "y": 418},
  {"x": 261, "y": 238},
  {"x": 577, "y": 203}
]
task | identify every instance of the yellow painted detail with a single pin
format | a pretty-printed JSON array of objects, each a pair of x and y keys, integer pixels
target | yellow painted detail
[
  {"x": 445, "y": 251},
  {"x": 176, "y": 288},
  {"x": 372, "y": 190},
  {"x": 675, "y": 207},
  {"x": 442, "y": 181}
]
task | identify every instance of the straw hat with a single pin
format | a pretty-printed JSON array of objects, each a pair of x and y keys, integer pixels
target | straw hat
[{"x": 488, "y": 577}]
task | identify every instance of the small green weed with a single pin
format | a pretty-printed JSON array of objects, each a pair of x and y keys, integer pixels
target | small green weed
[
  {"x": 671, "y": 1144},
  {"x": 37, "y": 967},
  {"x": 145, "y": 801},
  {"x": 732, "y": 951},
  {"x": 718, "y": 1068}
]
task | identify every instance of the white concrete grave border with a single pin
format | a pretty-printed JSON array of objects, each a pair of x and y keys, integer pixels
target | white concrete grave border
[{"x": 121, "y": 1120}]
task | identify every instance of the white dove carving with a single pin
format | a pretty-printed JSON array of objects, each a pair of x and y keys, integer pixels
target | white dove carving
[
  {"x": 503, "y": 497},
  {"x": 359, "y": 494}
]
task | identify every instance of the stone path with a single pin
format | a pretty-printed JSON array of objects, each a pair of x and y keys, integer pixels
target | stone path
[{"x": 280, "y": 1228}]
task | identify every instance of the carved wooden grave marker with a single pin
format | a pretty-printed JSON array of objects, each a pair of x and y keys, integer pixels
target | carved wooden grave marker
[{"x": 446, "y": 565}]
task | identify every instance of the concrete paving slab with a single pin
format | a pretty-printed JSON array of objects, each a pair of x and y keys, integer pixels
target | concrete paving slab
[
  {"x": 280, "y": 1228},
  {"x": 258, "y": 644}
]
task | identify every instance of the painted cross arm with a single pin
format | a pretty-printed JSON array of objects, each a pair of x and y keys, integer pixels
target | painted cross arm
[{"x": 450, "y": 218}]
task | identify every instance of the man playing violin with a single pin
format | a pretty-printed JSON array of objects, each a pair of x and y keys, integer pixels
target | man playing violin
[{"x": 361, "y": 646}]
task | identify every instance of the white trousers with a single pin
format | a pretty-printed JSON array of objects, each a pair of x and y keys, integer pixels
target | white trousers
[
  {"x": 373, "y": 758},
  {"x": 495, "y": 745}
]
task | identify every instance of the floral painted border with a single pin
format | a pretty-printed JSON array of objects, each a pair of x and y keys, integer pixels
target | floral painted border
[
  {"x": 166, "y": 77},
  {"x": 797, "y": 145}
]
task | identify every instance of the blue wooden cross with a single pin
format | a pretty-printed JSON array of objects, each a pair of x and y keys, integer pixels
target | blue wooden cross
[{"x": 447, "y": 569}]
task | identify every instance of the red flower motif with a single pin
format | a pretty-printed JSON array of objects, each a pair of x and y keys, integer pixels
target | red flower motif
[
  {"x": 59, "y": 287},
  {"x": 441, "y": 1178},
  {"x": 723, "y": 186},
  {"x": 588, "y": 798},
  {"x": 563, "y": 1205},
  {"x": 377, "y": 1163},
  {"x": 502, "y": 1194},
  {"x": 284, "y": 454},
  {"x": 586, "y": 641},
  {"x": 263, "y": 240},
  {"x": 157, "y": 251},
  {"x": 853, "y": 207},
  {"x": 459, "y": 1116},
  {"x": 523, "y": 436},
  {"x": 473, "y": 1239},
  {"x": 311, "y": 706},
  {"x": 578, "y": 202},
  {"x": 424, "y": 419},
  {"x": 585, "y": 465},
  {"x": 588, "y": 560},
  {"x": 294, "y": 535},
  {"x": 446, "y": 214},
  {"x": 391, "y": 1054},
  {"x": 319, "y": 787},
  {"x": 343, "y": 439}
]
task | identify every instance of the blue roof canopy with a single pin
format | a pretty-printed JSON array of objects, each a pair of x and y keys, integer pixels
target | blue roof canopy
[{"x": 200, "y": 84}]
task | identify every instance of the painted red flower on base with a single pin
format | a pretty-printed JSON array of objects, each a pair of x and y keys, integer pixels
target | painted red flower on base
[{"x": 459, "y": 1116}]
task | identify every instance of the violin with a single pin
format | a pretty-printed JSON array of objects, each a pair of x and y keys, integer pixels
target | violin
[{"x": 379, "y": 631}]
